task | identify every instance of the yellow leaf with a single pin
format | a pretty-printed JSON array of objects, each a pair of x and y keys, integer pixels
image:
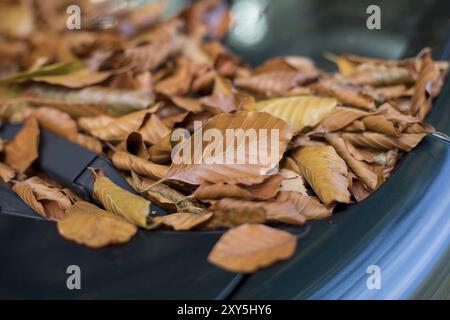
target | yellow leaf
[
  {"x": 300, "y": 111},
  {"x": 115, "y": 199}
]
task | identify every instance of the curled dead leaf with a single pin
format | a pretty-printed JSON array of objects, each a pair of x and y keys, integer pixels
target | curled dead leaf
[
  {"x": 129, "y": 162},
  {"x": 380, "y": 141},
  {"x": 325, "y": 172},
  {"x": 121, "y": 202}
]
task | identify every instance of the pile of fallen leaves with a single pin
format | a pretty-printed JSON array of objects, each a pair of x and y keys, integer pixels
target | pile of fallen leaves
[{"x": 120, "y": 89}]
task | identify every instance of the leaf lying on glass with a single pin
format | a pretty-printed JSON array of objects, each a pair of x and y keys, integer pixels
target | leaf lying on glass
[
  {"x": 250, "y": 247},
  {"x": 87, "y": 224}
]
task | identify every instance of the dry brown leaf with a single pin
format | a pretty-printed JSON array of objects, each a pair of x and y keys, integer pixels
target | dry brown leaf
[
  {"x": 422, "y": 98},
  {"x": 381, "y": 76},
  {"x": 405, "y": 142},
  {"x": 90, "y": 123},
  {"x": 250, "y": 247},
  {"x": 178, "y": 83},
  {"x": 6, "y": 173},
  {"x": 118, "y": 129},
  {"x": 339, "y": 118},
  {"x": 348, "y": 95},
  {"x": 121, "y": 202},
  {"x": 301, "y": 111},
  {"x": 359, "y": 168},
  {"x": 378, "y": 123},
  {"x": 226, "y": 99},
  {"x": 188, "y": 104},
  {"x": 275, "y": 83},
  {"x": 90, "y": 101},
  {"x": 22, "y": 150},
  {"x": 183, "y": 221},
  {"x": 232, "y": 212},
  {"x": 325, "y": 172},
  {"x": 163, "y": 195},
  {"x": 129, "y": 162},
  {"x": 223, "y": 167},
  {"x": 153, "y": 130},
  {"x": 47, "y": 200},
  {"x": 359, "y": 190},
  {"x": 309, "y": 207},
  {"x": 76, "y": 79},
  {"x": 89, "y": 225},
  {"x": 63, "y": 125},
  {"x": 262, "y": 191}
]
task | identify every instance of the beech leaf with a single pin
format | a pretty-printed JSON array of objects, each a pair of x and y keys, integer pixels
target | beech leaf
[
  {"x": 87, "y": 224},
  {"x": 250, "y": 247}
]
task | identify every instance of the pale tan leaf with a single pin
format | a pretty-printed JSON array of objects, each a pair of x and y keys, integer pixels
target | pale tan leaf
[
  {"x": 301, "y": 111},
  {"x": 292, "y": 182},
  {"x": 250, "y": 247}
]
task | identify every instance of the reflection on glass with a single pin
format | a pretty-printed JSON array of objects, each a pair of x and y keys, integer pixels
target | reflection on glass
[{"x": 249, "y": 22}]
